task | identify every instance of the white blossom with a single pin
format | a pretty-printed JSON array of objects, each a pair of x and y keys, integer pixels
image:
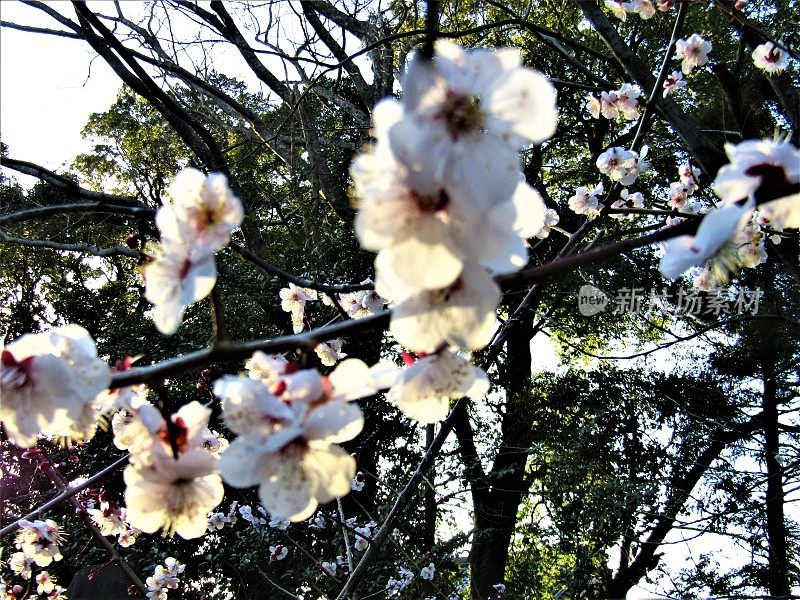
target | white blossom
[
  {"x": 428, "y": 572},
  {"x": 173, "y": 483},
  {"x": 618, "y": 8},
  {"x": 424, "y": 389},
  {"x": 38, "y": 540},
  {"x": 644, "y": 8},
  {"x": 468, "y": 112},
  {"x": 20, "y": 564},
  {"x": 128, "y": 537},
  {"x": 692, "y": 52},
  {"x": 752, "y": 255},
  {"x": 622, "y": 165},
  {"x": 765, "y": 165},
  {"x": 174, "y": 281},
  {"x": 45, "y": 584},
  {"x": 463, "y": 314},
  {"x": 268, "y": 368},
  {"x": 330, "y": 352},
  {"x": 585, "y": 201},
  {"x": 717, "y": 228},
  {"x": 293, "y": 301},
  {"x": 673, "y": 82},
  {"x": 48, "y": 381},
  {"x": 201, "y": 215},
  {"x": 770, "y": 59},
  {"x": 278, "y": 552},
  {"x": 279, "y": 524},
  {"x": 551, "y": 219},
  {"x": 288, "y": 435}
]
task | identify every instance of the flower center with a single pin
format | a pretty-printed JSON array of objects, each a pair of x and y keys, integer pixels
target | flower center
[
  {"x": 773, "y": 56},
  {"x": 14, "y": 374},
  {"x": 462, "y": 114},
  {"x": 431, "y": 203},
  {"x": 184, "y": 270},
  {"x": 774, "y": 183}
]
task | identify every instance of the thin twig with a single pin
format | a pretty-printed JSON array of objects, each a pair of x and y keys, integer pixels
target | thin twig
[{"x": 71, "y": 491}]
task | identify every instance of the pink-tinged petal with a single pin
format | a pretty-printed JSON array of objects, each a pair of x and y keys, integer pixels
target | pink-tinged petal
[
  {"x": 719, "y": 226},
  {"x": 422, "y": 260},
  {"x": 680, "y": 255},
  {"x": 351, "y": 379},
  {"x": 288, "y": 490},
  {"x": 333, "y": 422},
  {"x": 486, "y": 165},
  {"x": 242, "y": 465},
  {"x": 525, "y": 103},
  {"x": 784, "y": 212},
  {"x": 305, "y": 386},
  {"x": 334, "y": 470},
  {"x": 249, "y": 407}
]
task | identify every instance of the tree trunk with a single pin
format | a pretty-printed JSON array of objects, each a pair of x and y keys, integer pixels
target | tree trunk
[
  {"x": 778, "y": 579},
  {"x": 497, "y": 500}
]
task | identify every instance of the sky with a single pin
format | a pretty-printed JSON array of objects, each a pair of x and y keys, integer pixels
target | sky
[
  {"x": 48, "y": 88},
  {"x": 46, "y": 91}
]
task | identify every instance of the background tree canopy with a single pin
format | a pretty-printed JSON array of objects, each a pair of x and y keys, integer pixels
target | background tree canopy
[{"x": 658, "y": 427}]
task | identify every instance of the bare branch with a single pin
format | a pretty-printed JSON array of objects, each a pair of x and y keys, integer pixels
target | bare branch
[{"x": 83, "y": 248}]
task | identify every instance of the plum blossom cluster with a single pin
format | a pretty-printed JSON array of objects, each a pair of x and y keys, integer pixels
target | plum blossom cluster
[
  {"x": 403, "y": 580},
  {"x": 172, "y": 481},
  {"x": 111, "y": 519},
  {"x": 50, "y": 384},
  {"x": 626, "y": 200},
  {"x": 623, "y": 166},
  {"x": 732, "y": 236},
  {"x": 644, "y": 8},
  {"x": 246, "y": 512},
  {"x": 164, "y": 578},
  {"x": 586, "y": 200},
  {"x": 357, "y": 305},
  {"x": 441, "y": 197},
  {"x": 197, "y": 223},
  {"x": 46, "y": 587},
  {"x": 218, "y": 520},
  {"x": 37, "y": 542},
  {"x": 290, "y": 422},
  {"x": 681, "y": 191},
  {"x": 623, "y": 103}
]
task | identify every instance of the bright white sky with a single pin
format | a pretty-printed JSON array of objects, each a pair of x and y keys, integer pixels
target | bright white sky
[
  {"x": 48, "y": 88},
  {"x": 46, "y": 94}
]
